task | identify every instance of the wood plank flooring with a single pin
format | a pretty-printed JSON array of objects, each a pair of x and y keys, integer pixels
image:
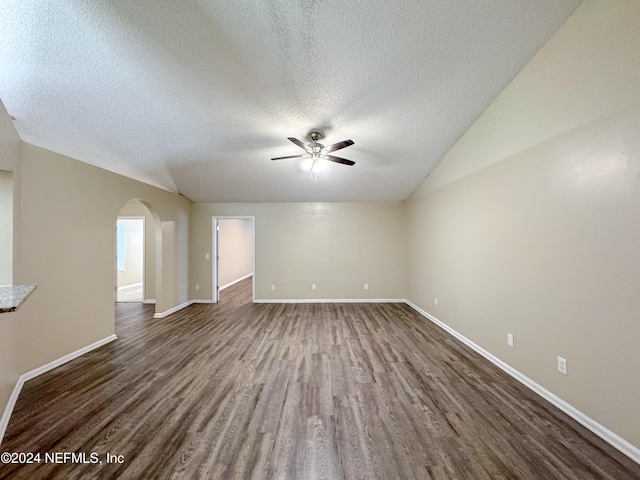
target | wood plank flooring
[{"x": 295, "y": 391}]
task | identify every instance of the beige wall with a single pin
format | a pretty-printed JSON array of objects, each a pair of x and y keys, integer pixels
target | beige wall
[
  {"x": 136, "y": 208},
  {"x": 65, "y": 231},
  {"x": 235, "y": 249},
  {"x": 530, "y": 225},
  {"x": 10, "y": 145},
  {"x": 337, "y": 246},
  {"x": 6, "y": 227},
  {"x": 77, "y": 206}
]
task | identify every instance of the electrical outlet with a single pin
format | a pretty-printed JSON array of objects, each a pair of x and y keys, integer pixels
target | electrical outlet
[
  {"x": 436, "y": 301},
  {"x": 562, "y": 365},
  {"x": 197, "y": 287},
  {"x": 313, "y": 286},
  {"x": 510, "y": 339},
  {"x": 366, "y": 286},
  {"x": 206, "y": 256},
  {"x": 273, "y": 287}
]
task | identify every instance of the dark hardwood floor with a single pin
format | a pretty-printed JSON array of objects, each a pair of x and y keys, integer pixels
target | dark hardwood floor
[{"x": 237, "y": 390}]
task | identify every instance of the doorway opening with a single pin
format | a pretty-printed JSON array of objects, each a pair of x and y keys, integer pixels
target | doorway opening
[
  {"x": 233, "y": 265},
  {"x": 132, "y": 292},
  {"x": 130, "y": 259}
]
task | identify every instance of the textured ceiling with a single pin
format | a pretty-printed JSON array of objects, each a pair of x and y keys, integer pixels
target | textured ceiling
[{"x": 197, "y": 96}]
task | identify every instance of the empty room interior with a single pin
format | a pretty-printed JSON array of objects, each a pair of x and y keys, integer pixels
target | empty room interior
[{"x": 373, "y": 239}]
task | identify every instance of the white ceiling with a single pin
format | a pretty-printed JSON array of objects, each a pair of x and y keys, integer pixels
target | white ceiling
[{"x": 197, "y": 96}]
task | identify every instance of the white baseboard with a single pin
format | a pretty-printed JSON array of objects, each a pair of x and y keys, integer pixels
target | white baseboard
[
  {"x": 202, "y": 301},
  {"x": 329, "y": 300},
  {"x": 607, "y": 435},
  {"x": 172, "y": 310},
  {"x": 234, "y": 282},
  {"x": 8, "y": 410},
  {"x": 149, "y": 301}
]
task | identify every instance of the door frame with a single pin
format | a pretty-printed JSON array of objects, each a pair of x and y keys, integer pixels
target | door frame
[{"x": 215, "y": 288}]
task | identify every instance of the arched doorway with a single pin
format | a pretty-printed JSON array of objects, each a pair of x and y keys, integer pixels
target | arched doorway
[{"x": 137, "y": 266}]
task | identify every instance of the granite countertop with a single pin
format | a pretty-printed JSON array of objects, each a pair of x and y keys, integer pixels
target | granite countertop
[{"x": 12, "y": 296}]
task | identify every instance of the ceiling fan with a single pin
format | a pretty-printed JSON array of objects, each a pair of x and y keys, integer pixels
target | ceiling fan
[{"x": 316, "y": 151}]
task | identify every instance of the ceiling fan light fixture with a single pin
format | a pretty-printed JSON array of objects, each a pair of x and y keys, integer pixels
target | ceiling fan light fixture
[
  {"x": 308, "y": 165},
  {"x": 316, "y": 150}
]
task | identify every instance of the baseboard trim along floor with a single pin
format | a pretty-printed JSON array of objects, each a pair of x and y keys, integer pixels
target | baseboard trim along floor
[
  {"x": 172, "y": 310},
  {"x": 227, "y": 285},
  {"x": 4, "y": 422},
  {"x": 329, "y": 300},
  {"x": 607, "y": 435}
]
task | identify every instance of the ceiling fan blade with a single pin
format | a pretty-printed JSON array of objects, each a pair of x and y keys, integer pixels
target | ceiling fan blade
[
  {"x": 290, "y": 156},
  {"x": 343, "y": 161},
  {"x": 299, "y": 143},
  {"x": 337, "y": 146}
]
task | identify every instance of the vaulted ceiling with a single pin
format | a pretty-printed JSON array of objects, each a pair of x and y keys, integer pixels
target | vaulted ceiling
[{"x": 197, "y": 96}]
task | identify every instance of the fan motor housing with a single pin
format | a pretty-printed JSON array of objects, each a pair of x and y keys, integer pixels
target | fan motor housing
[{"x": 315, "y": 136}]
